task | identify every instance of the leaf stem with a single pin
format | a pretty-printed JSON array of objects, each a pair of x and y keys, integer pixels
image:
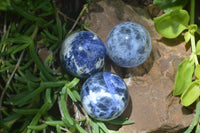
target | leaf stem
[
  {"x": 194, "y": 49},
  {"x": 192, "y": 11}
]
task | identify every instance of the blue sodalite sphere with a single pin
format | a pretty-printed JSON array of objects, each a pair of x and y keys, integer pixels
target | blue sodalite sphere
[
  {"x": 104, "y": 96},
  {"x": 128, "y": 44},
  {"x": 82, "y": 54}
]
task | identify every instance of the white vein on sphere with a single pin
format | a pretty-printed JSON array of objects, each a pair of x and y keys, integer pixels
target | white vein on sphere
[
  {"x": 119, "y": 99},
  {"x": 121, "y": 87},
  {"x": 95, "y": 37},
  {"x": 66, "y": 50},
  {"x": 94, "y": 96},
  {"x": 99, "y": 64},
  {"x": 66, "y": 47}
]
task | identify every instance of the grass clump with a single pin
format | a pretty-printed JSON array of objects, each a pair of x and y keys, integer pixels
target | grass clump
[{"x": 34, "y": 93}]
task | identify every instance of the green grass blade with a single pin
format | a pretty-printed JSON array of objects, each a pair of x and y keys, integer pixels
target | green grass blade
[
  {"x": 73, "y": 83},
  {"x": 35, "y": 120},
  {"x": 50, "y": 36},
  {"x": 22, "y": 101},
  {"x": 38, "y": 127},
  {"x": 54, "y": 123},
  {"x": 31, "y": 77},
  {"x": 59, "y": 27},
  {"x": 48, "y": 95},
  {"x": 80, "y": 129},
  {"x": 66, "y": 121},
  {"x": 76, "y": 95},
  {"x": 38, "y": 62},
  {"x": 58, "y": 129},
  {"x": 25, "y": 14},
  {"x": 69, "y": 92},
  {"x": 102, "y": 126},
  {"x": 120, "y": 121},
  {"x": 94, "y": 125},
  {"x": 26, "y": 111},
  {"x": 196, "y": 119},
  {"x": 65, "y": 110},
  {"x": 20, "y": 48},
  {"x": 53, "y": 84}
]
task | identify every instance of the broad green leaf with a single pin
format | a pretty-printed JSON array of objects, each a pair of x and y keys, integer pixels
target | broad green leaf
[
  {"x": 170, "y": 5},
  {"x": 183, "y": 76},
  {"x": 191, "y": 93},
  {"x": 171, "y": 24},
  {"x": 198, "y": 48},
  {"x": 197, "y": 71},
  {"x": 187, "y": 36}
]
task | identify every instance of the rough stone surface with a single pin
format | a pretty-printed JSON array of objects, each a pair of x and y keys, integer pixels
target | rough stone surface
[{"x": 152, "y": 106}]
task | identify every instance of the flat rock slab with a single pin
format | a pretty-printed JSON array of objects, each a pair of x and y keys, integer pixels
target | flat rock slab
[{"x": 152, "y": 106}]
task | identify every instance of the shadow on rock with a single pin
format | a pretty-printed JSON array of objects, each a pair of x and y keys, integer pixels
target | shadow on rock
[
  {"x": 188, "y": 110},
  {"x": 135, "y": 71},
  {"x": 172, "y": 42}
]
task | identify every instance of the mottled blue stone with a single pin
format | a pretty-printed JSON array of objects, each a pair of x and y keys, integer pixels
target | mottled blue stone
[
  {"x": 82, "y": 54},
  {"x": 128, "y": 44},
  {"x": 104, "y": 96}
]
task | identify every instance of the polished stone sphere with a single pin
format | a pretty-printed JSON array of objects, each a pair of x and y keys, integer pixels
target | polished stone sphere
[
  {"x": 128, "y": 44},
  {"x": 82, "y": 54},
  {"x": 104, "y": 96}
]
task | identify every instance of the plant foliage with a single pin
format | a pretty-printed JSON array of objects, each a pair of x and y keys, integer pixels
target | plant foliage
[
  {"x": 173, "y": 23},
  {"x": 35, "y": 95}
]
